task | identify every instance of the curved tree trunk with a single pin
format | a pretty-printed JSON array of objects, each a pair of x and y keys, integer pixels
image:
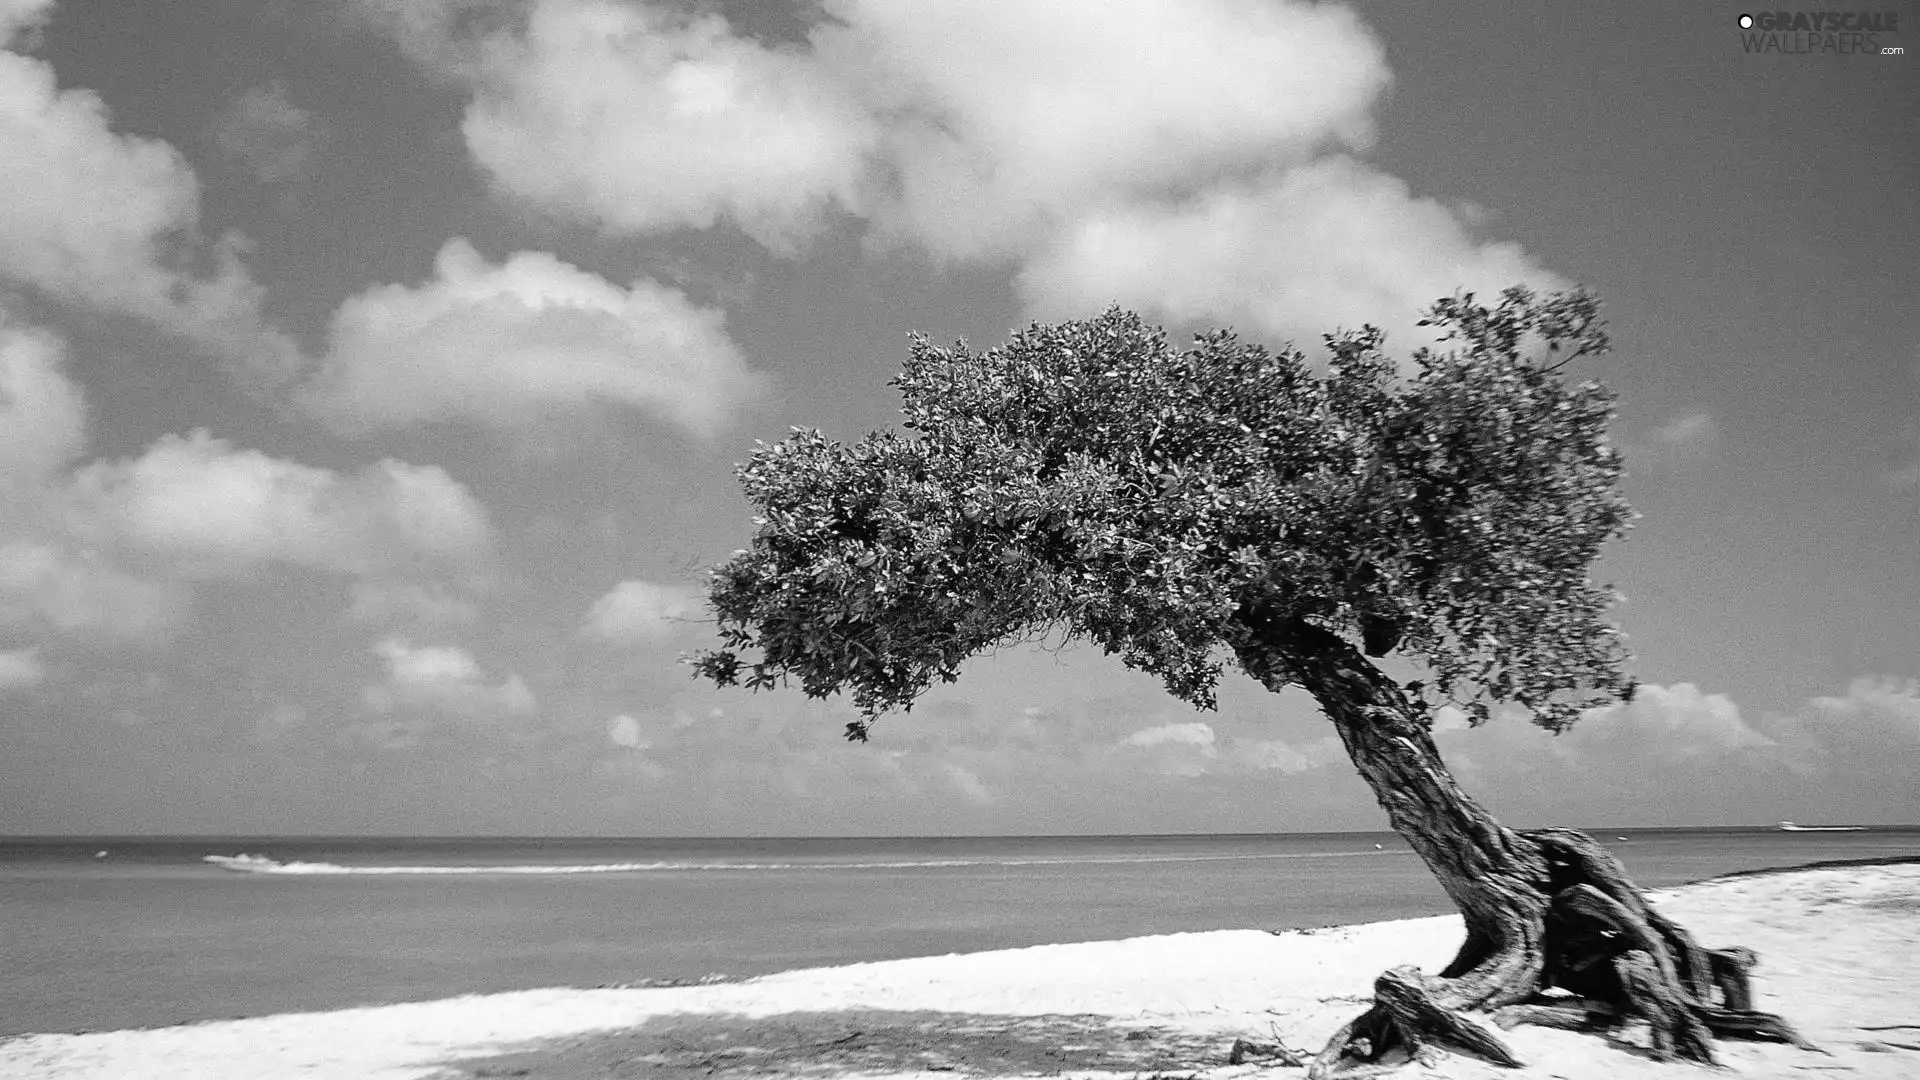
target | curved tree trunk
[{"x": 1542, "y": 909}]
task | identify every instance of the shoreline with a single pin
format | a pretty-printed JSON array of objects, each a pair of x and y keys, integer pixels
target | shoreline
[
  {"x": 1822, "y": 864},
  {"x": 1839, "y": 941}
]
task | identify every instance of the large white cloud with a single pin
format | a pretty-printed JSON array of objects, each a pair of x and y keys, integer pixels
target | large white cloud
[
  {"x": 1876, "y": 720},
  {"x": 508, "y": 345},
  {"x": 1894, "y": 703},
  {"x": 1675, "y": 722},
  {"x": 47, "y": 583},
  {"x": 111, "y": 221},
  {"x": 210, "y": 509},
  {"x": 643, "y": 119},
  {"x": 1165, "y": 160},
  {"x": 109, "y": 550},
  {"x": 1004, "y": 119},
  {"x": 1334, "y": 244}
]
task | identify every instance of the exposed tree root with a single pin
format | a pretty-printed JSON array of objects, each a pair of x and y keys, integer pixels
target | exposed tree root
[
  {"x": 1566, "y": 1013},
  {"x": 1408, "y": 1017},
  {"x": 1274, "y": 1053},
  {"x": 1597, "y": 938}
]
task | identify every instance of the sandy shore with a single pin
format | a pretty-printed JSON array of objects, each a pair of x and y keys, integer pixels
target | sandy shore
[{"x": 1839, "y": 952}]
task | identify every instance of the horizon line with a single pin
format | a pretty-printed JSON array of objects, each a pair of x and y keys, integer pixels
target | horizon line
[{"x": 470, "y": 837}]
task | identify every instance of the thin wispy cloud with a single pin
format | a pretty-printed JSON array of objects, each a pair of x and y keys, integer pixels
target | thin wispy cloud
[
  {"x": 642, "y": 611},
  {"x": 20, "y": 669},
  {"x": 1687, "y": 431},
  {"x": 444, "y": 680},
  {"x": 266, "y": 133},
  {"x": 1901, "y": 463}
]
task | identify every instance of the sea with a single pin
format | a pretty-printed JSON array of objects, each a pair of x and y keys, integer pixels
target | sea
[{"x": 110, "y": 933}]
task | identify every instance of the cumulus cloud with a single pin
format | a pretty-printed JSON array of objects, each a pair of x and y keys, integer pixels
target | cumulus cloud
[
  {"x": 267, "y": 134},
  {"x": 109, "y": 550},
  {"x": 445, "y": 679},
  {"x": 1894, "y": 702},
  {"x": 1673, "y": 722},
  {"x": 1331, "y": 244},
  {"x": 1176, "y": 749},
  {"x": 1196, "y": 734},
  {"x": 1875, "y": 719},
  {"x": 1173, "y": 160},
  {"x": 1680, "y": 753},
  {"x": 111, "y": 221},
  {"x": 641, "y": 119},
  {"x": 639, "y": 611},
  {"x": 505, "y": 346},
  {"x": 211, "y": 509},
  {"x": 43, "y": 414},
  {"x": 1004, "y": 119},
  {"x": 1194, "y": 748},
  {"x": 47, "y": 583},
  {"x": 56, "y": 588},
  {"x": 1665, "y": 734},
  {"x": 20, "y": 669}
]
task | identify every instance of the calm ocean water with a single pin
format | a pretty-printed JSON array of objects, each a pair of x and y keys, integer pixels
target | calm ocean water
[{"x": 152, "y": 933}]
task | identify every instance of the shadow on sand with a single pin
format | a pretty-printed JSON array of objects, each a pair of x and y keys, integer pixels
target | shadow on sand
[{"x": 850, "y": 1041}]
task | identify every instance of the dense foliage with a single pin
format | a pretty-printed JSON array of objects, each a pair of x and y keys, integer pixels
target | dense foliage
[{"x": 1090, "y": 479}]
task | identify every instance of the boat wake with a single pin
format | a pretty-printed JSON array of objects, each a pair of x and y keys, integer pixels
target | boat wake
[{"x": 261, "y": 864}]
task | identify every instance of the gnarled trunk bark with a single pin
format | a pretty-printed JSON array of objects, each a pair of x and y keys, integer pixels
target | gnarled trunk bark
[
  {"x": 1497, "y": 878},
  {"x": 1542, "y": 909}
]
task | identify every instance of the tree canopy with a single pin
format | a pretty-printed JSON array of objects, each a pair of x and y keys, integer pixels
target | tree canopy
[{"x": 1090, "y": 479}]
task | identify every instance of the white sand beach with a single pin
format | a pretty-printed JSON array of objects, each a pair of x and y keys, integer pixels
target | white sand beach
[{"x": 1839, "y": 951}]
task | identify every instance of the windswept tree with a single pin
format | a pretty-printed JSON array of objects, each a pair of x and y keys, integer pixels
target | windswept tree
[{"x": 1228, "y": 506}]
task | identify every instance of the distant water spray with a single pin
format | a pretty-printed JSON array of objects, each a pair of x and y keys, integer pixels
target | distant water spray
[{"x": 260, "y": 864}]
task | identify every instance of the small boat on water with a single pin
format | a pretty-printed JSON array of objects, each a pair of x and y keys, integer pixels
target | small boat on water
[{"x": 1788, "y": 826}]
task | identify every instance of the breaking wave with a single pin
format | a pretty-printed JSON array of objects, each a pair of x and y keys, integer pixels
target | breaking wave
[{"x": 260, "y": 864}]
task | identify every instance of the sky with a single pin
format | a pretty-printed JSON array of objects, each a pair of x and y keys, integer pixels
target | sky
[{"x": 372, "y": 373}]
